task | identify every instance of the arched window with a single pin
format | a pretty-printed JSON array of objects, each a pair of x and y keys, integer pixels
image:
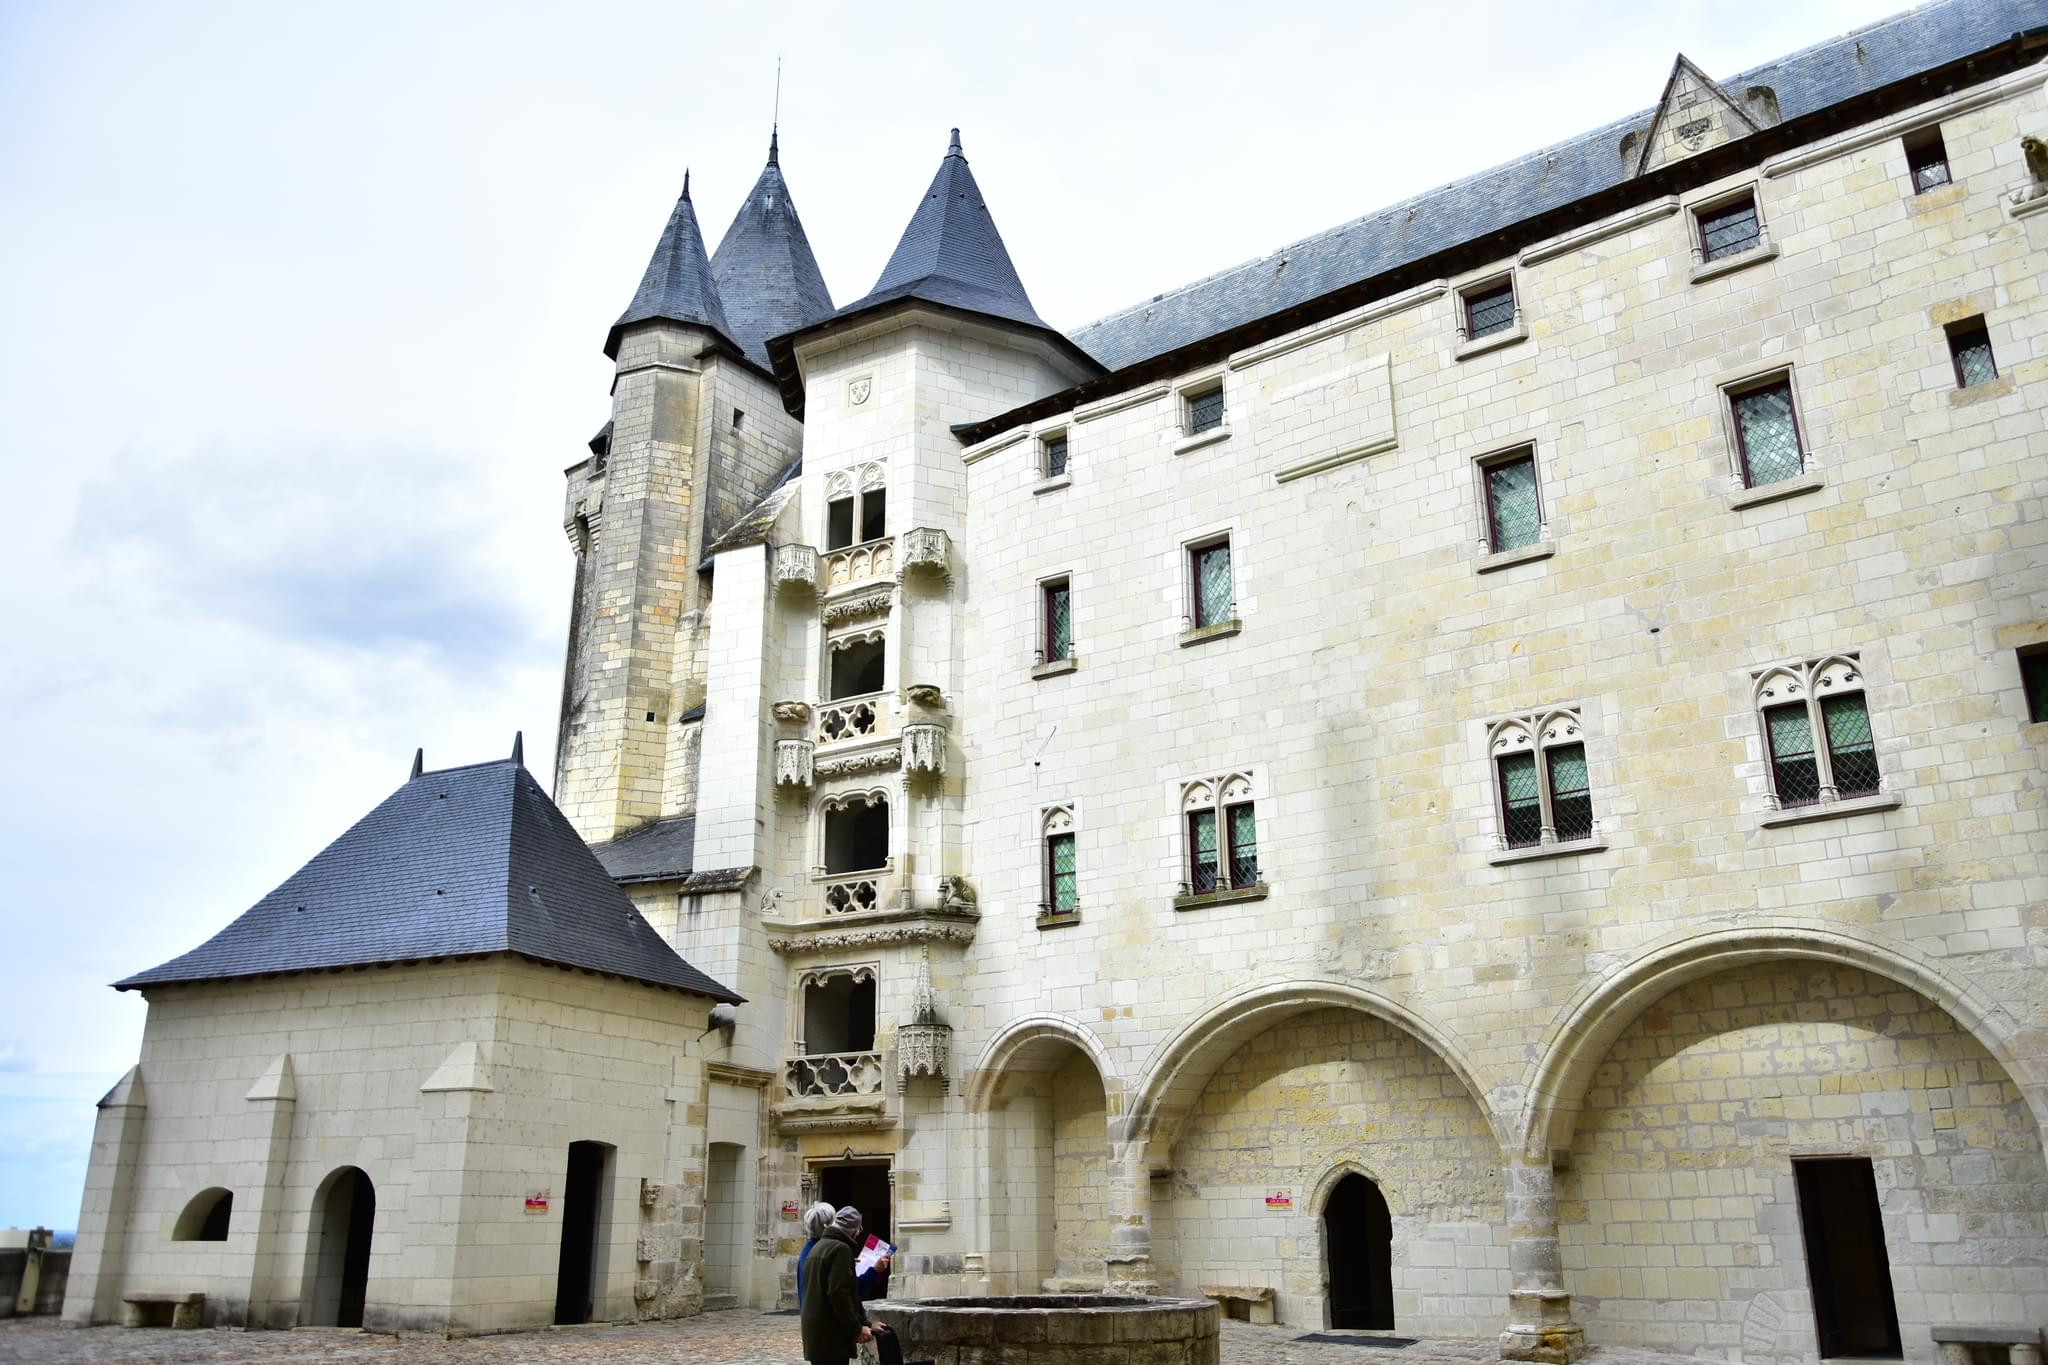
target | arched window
[
  {"x": 1540, "y": 778},
  {"x": 1816, "y": 728},
  {"x": 205, "y": 1217}
]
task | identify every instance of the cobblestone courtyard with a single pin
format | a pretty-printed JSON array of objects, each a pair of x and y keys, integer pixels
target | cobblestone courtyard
[{"x": 739, "y": 1337}]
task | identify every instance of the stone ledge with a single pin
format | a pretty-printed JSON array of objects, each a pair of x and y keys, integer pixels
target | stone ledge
[
  {"x": 1258, "y": 891},
  {"x": 1058, "y": 919},
  {"x": 1054, "y": 484},
  {"x": 1812, "y": 481},
  {"x": 1766, "y": 250},
  {"x": 1538, "y": 852},
  {"x": 1053, "y": 668},
  {"x": 1829, "y": 810},
  {"x": 870, "y": 928},
  {"x": 1507, "y": 559},
  {"x": 1203, "y": 634},
  {"x": 1206, "y": 438},
  {"x": 1493, "y": 341}
]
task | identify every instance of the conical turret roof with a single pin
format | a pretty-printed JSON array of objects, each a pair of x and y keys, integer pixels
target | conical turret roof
[
  {"x": 952, "y": 254},
  {"x": 677, "y": 286},
  {"x": 764, "y": 270}
]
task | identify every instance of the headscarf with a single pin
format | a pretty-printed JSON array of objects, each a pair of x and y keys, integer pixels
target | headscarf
[{"x": 816, "y": 1219}]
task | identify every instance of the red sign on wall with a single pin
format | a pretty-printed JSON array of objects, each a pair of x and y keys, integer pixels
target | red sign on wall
[{"x": 537, "y": 1203}]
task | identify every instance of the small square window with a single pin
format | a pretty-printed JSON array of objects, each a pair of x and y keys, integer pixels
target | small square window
[
  {"x": 1057, "y": 609},
  {"x": 1205, "y": 411},
  {"x": 1729, "y": 229},
  {"x": 1969, "y": 346},
  {"x": 1052, "y": 456},
  {"x": 738, "y": 419},
  {"x": 1767, "y": 433},
  {"x": 1214, "y": 595},
  {"x": 2034, "y": 679},
  {"x": 1927, "y": 160},
  {"x": 1489, "y": 309},
  {"x": 1514, "y": 518}
]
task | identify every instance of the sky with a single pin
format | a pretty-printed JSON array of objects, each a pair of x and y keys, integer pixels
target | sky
[{"x": 302, "y": 312}]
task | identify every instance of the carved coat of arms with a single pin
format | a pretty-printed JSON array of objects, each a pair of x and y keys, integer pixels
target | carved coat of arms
[
  {"x": 858, "y": 390},
  {"x": 1693, "y": 133}
]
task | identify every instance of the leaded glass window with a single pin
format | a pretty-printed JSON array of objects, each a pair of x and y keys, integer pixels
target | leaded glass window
[
  {"x": 1795, "y": 772},
  {"x": 1513, "y": 516},
  {"x": 2034, "y": 678},
  {"x": 1927, "y": 161},
  {"x": 1521, "y": 802},
  {"x": 1850, "y": 752},
  {"x": 1729, "y": 230},
  {"x": 1215, "y": 599},
  {"x": 1059, "y": 622},
  {"x": 1767, "y": 433},
  {"x": 1055, "y": 455},
  {"x": 1969, "y": 345},
  {"x": 1205, "y": 411},
  {"x": 1490, "y": 310},
  {"x": 1571, "y": 792},
  {"x": 1244, "y": 846},
  {"x": 1062, "y": 880},
  {"x": 1202, "y": 851}
]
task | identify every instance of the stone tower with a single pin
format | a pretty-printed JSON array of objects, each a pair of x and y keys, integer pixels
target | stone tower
[{"x": 697, "y": 435}]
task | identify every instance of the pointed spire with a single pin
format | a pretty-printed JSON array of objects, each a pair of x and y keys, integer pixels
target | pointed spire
[
  {"x": 419, "y": 761},
  {"x": 677, "y": 285},
  {"x": 924, "y": 1001},
  {"x": 764, "y": 270},
  {"x": 952, "y": 254},
  {"x": 519, "y": 747}
]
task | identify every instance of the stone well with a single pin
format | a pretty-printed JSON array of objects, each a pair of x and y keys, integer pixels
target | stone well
[{"x": 1054, "y": 1329}]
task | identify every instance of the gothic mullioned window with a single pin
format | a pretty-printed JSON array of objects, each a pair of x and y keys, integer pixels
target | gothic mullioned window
[
  {"x": 1222, "y": 835},
  {"x": 856, "y": 507},
  {"x": 1541, "y": 781},
  {"x": 1060, "y": 892},
  {"x": 1816, "y": 727}
]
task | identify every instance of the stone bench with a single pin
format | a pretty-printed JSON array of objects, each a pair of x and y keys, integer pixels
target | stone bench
[
  {"x": 1253, "y": 1304},
  {"x": 1959, "y": 1344},
  {"x": 150, "y": 1310}
]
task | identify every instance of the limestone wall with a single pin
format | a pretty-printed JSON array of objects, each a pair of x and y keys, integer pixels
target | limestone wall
[{"x": 1680, "y": 1219}]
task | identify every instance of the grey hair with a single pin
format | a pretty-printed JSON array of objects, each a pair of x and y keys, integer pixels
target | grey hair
[{"x": 817, "y": 1218}]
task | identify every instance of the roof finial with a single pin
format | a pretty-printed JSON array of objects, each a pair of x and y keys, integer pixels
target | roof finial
[
  {"x": 419, "y": 761},
  {"x": 519, "y": 747},
  {"x": 775, "y": 120},
  {"x": 774, "y": 150},
  {"x": 954, "y": 150},
  {"x": 686, "y": 182}
]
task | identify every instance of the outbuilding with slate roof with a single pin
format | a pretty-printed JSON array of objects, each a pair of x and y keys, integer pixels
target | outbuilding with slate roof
[{"x": 429, "y": 1083}]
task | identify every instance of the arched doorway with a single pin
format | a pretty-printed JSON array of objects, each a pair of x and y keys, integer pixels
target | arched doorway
[
  {"x": 1358, "y": 1249},
  {"x": 344, "y": 1210}
]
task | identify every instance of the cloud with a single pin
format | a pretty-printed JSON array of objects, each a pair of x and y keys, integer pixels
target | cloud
[{"x": 13, "y": 1058}]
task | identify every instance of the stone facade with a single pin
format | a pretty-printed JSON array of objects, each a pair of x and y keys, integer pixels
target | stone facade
[{"x": 1579, "y": 1068}]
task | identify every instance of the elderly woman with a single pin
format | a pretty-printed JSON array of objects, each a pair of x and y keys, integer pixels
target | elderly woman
[
  {"x": 832, "y": 1323},
  {"x": 816, "y": 1219}
]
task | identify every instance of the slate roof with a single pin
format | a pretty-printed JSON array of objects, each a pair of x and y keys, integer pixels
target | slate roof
[
  {"x": 1828, "y": 73},
  {"x": 677, "y": 286},
  {"x": 764, "y": 271},
  {"x": 660, "y": 852},
  {"x": 457, "y": 863}
]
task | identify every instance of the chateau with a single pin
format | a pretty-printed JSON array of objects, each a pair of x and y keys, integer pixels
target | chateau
[{"x": 1481, "y": 775}]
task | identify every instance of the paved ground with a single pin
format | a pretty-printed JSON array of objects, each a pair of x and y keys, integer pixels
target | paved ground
[{"x": 738, "y": 1337}]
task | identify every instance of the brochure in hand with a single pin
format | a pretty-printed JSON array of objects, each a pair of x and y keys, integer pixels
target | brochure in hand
[{"x": 872, "y": 1251}]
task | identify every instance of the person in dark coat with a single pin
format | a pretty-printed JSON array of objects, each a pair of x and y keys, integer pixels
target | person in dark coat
[
  {"x": 816, "y": 1219},
  {"x": 832, "y": 1321}
]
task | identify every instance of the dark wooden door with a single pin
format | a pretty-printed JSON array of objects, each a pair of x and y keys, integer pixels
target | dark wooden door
[{"x": 1853, "y": 1310}]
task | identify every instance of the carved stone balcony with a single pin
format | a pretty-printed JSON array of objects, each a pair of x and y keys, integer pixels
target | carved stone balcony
[
  {"x": 796, "y": 570},
  {"x": 851, "y": 893},
  {"x": 831, "y": 1091},
  {"x": 924, "y": 749},
  {"x": 857, "y": 564},
  {"x": 793, "y": 762},
  {"x": 854, "y": 718},
  {"x": 925, "y": 554}
]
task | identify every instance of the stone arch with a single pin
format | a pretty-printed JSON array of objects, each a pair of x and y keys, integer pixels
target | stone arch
[
  {"x": 1037, "y": 1042},
  {"x": 1183, "y": 1063},
  {"x": 1319, "y": 1193},
  {"x": 1588, "y": 1026}
]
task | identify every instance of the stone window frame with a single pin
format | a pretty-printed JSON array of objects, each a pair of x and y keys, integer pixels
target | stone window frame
[
  {"x": 1057, "y": 821},
  {"x": 1810, "y": 422},
  {"x": 1186, "y": 391},
  {"x": 855, "y": 483},
  {"x": 1959, "y": 336},
  {"x": 1045, "y": 480},
  {"x": 1219, "y": 792},
  {"x": 817, "y": 974},
  {"x": 1810, "y": 681},
  {"x": 1704, "y": 202},
  {"x": 1540, "y": 732},
  {"x": 832, "y": 641},
  {"x": 1462, "y": 294},
  {"x": 1192, "y": 631},
  {"x": 1043, "y": 665},
  {"x": 1917, "y": 146},
  {"x": 1545, "y": 544},
  {"x": 863, "y": 793}
]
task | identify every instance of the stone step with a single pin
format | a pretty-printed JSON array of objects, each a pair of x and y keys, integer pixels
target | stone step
[{"x": 717, "y": 1303}]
